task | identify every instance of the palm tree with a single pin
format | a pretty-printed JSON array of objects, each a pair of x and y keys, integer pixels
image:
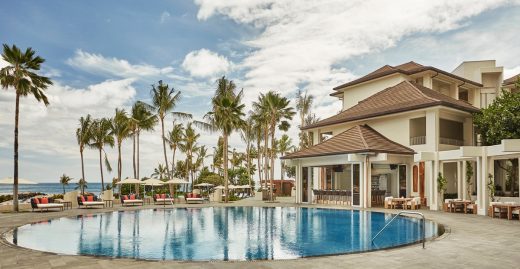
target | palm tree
[
  {"x": 284, "y": 146},
  {"x": 261, "y": 115},
  {"x": 81, "y": 185},
  {"x": 142, "y": 119},
  {"x": 83, "y": 134},
  {"x": 188, "y": 147},
  {"x": 303, "y": 106},
  {"x": 247, "y": 134},
  {"x": 164, "y": 100},
  {"x": 278, "y": 111},
  {"x": 226, "y": 116},
  {"x": 160, "y": 172},
  {"x": 20, "y": 74},
  {"x": 175, "y": 138},
  {"x": 257, "y": 129},
  {"x": 202, "y": 153},
  {"x": 102, "y": 134},
  {"x": 121, "y": 128},
  {"x": 64, "y": 181}
]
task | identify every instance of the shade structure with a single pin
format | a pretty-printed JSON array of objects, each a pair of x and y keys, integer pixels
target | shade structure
[
  {"x": 10, "y": 181},
  {"x": 177, "y": 181},
  {"x": 204, "y": 185},
  {"x": 129, "y": 181},
  {"x": 220, "y": 187},
  {"x": 152, "y": 182},
  {"x": 245, "y": 187},
  {"x": 233, "y": 186}
]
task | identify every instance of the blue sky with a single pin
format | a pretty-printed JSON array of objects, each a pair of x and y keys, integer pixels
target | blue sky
[{"x": 106, "y": 54}]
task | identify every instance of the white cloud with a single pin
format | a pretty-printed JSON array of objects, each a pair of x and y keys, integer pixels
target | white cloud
[
  {"x": 165, "y": 16},
  {"x": 302, "y": 42},
  {"x": 204, "y": 63},
  {"x": 114, "y": 67},
  {"x": 511, "y": 72}
]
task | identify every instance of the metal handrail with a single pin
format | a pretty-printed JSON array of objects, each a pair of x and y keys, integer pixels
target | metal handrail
[{"x": 406, "y": 212}]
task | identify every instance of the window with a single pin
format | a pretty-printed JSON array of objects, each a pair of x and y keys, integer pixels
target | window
[
  {"x": 464, "y": 95},
  {"x": 325, "y": 136},
  {"x": 506, "y": 178},
  {"x": 418, "y": 131}
]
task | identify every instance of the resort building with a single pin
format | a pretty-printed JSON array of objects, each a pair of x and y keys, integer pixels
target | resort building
[{"x": 399, "y": 127}]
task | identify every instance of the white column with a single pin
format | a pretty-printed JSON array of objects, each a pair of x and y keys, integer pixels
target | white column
[
  {"x": 464, "y": 183},
  {"x": 478, "y": 179},
  {"x": 309, "y": 185},
  {"x": 460, "y": 193},
  {"x": 434, "y": 204},
  {"x": 368, "y": 182},
  {"x": 298, "y": 183},
  {"x": 362, "y": 185}
]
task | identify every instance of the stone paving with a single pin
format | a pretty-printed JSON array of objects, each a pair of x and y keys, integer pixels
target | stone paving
[{"x": 470, "y": 241}]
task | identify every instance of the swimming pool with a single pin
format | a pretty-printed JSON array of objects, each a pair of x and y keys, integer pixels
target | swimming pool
[{"x": 220, "y": 233}]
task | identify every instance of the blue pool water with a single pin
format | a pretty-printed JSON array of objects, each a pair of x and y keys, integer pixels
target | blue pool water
[{"x": 220, "y": 233}]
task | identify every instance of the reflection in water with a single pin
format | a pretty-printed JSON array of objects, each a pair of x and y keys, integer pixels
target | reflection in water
[{"x": 231, "y": 233}]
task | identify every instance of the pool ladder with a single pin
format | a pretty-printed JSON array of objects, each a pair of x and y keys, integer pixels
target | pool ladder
[{"x": 401, "y": 213}]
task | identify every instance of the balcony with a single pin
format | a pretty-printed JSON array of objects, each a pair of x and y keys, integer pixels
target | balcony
[
  {"x": 418, "y": 140},
  {"x": 451, "y": 141}
]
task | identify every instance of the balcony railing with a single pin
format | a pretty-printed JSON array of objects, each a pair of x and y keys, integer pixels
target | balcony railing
[
  {"x": 418, "y": 140},
  {"x": 451, "y": 141}
]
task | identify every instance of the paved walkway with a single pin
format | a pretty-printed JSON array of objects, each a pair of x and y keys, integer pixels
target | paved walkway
[{"x": 470, "y": 242}]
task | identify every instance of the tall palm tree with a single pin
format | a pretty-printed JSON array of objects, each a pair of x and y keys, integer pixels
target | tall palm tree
[
  {"x": 278, "y": 113},
  {"x": 83, "y": 134},
  {"x": 247, "y": 134},
  {"x": 261, "y": 116},
  {"x": 20, "y": 74},
  {"x": 202, "y": 153},
  {"x": 226, "y": 116},
  {"x": 64, "y": 181},
  {"x": 142, "y": 119},
  {"x": 174, "y": 139},
  {"x": 81, "y": 185},
  {"x": 303, "y": 106},
  {"x": 160, "y": 172},
  {"x": 164, "y": 100},
  {"x": 189, "y": 147},
  {"x": 284, "y": 146},
  {"x": 102, "y": 134},
  {"x": 258, "y": 131},
  {"x": 122, "y": 129}
]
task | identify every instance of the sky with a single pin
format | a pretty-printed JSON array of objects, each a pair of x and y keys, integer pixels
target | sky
[{"x": 106, "y": 54}]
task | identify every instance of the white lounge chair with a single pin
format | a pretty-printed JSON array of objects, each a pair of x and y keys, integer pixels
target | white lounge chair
[{"x": 44, "y": 203}]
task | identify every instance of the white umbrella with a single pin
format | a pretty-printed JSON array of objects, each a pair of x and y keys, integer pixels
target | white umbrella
[
  {"x": 129, "y": 181},
  {"x": 10, "y": 181},
  {"x": 220, "y": 187},
  {"x": 151, "y": 182},
  {"x": 177, "y": 181},
  {"x": 204, "y": 185},
  {"x": 245, "y": 187}
]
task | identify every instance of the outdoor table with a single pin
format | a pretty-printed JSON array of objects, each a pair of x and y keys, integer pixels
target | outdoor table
[
  {"x": 400, "y": 202},
  {"x": 509, "y": 207},
  {"x": 465, "y": 203},
  {"x": 66, "y": 204}
]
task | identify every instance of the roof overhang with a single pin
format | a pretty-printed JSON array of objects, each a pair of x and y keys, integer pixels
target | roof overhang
[{"x": 505, "y": 149}]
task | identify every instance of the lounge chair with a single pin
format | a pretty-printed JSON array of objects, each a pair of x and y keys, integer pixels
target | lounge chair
[
  {"x": 194, "y": 198},
  {"x": 162, "y": 199},
  {"x": 131, "y": 199},
  {"x": 44, "y": 203},
  {"x": 89, "y": 201}
]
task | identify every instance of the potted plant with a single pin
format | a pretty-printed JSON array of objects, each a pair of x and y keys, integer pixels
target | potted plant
[
  {"x": 442, "y": 186},
  {"x": 469, "y": 175}
]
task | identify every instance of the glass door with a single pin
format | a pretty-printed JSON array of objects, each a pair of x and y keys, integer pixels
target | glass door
[
  {"x": 356, "y": 184},
  {"x": 402, "y": 180}
]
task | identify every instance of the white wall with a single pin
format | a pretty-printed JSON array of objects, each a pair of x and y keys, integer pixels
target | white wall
[{"x": 352, "y": 95}]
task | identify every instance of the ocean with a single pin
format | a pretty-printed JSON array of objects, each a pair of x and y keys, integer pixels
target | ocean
[{"x": 48, "y": 188}]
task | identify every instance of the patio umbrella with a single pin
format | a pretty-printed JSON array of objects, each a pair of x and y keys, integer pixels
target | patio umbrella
[
  {"x": 152, "y": 182},
  {"x": 220, "y": 187},
  {"x": 176, "y": 181},
  {"x": 204, "y": 185},
  {"x": 10, "y": 181},
  {"x": 129, "y": 181}
]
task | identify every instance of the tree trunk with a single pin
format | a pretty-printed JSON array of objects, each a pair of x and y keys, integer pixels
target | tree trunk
[
  {"x": 259, "y": 161},
  {"x": 248, "y": 157},
  {"x": 119, "y": 164},
  {"x": 225, "y": 156},
  {"x": 282, "y": 172},
  {"x": 133, "y": 155},
  {"x": 101, "y": 169},
  {"x": 138, "y": 133},
  {"x": 63, "y": 189},
  {"x": 272, "y": 161},
  {"x": 266, "y": 158},
  {"x": 82, "y": 164},
  {"x": 173, "y": 158},
  {"x": 164, "y": 149},
  {"x": 15, "y": 177}
]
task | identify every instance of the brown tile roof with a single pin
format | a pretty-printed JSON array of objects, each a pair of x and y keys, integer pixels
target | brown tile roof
[
  {"x": 408, "y": 68},
  {"x": 404, "y": 96},
  {"x": 511, "y": 80},
  {"x": 358, "y": 139}
]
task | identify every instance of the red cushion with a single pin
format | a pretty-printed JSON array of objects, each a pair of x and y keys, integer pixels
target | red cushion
[
  {"x": 82, "y": 198},
  {"x": 36, "y": 200},
  {"x": 197, "y": 195},
  {"x": 125, "y": 197},
  {"x": 45, "y": 200},
  {"x": 157, "y": 196},
  {"x": 163, "y": 196},
  {"x": 132, "y": 197},
  {"x": 90, "y": 198}
]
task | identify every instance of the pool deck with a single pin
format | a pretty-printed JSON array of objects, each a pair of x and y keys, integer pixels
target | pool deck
[{"x": 470, "y": 241}]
